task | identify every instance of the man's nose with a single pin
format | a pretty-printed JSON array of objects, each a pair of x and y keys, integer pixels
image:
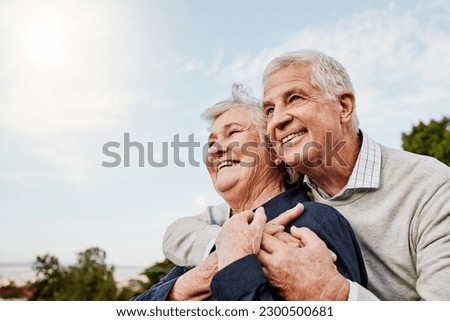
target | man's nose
[{"x": 280, "y": 119}]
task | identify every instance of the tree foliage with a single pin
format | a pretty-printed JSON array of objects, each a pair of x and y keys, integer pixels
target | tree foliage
[
  {"x": 431, "y": 139},
  {"x": 89, "y": 279},
  {"x": 152, "y": 274}
]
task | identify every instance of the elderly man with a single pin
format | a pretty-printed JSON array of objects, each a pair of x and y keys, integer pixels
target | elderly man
[{"x": 397, "y": 202}]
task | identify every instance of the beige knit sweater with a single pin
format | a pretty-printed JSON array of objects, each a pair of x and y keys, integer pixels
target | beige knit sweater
[{"x": 404, "y": 228}]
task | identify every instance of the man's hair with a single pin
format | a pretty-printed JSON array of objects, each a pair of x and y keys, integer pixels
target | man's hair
[
  {"x": 242, "y": 98},
  {"x": 327, "y": 74}
]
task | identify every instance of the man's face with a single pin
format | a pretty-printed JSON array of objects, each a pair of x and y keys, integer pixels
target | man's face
[{"x": 299, "y": 115}]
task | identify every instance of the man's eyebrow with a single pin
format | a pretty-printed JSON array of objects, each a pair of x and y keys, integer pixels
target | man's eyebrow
[
  {"x": 286, "y": 94},
  {"x": 294, "y": 90}
]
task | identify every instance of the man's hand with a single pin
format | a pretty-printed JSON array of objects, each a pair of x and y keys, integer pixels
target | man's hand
[
  {"x": 240, "y": 236},
  {"x": 195, "y": 284},
  {"x": 306, "y": 273}
]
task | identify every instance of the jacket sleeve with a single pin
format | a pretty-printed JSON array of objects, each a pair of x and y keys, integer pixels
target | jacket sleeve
[
  {"x": 242, "y": 280},
  {"x": 161, "y": 290},
  {"x": 189, "y": 240}
]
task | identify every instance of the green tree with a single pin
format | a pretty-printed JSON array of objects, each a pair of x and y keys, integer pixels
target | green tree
[
  {"x": 157, "y": 271},
  {"x": 92, "y": 279},
  {"x": 152, "y": 274},
  {"x": 431, "y": 139},
  {"x": 49, "y": 278},
  {"x": 89, "y": 279}
]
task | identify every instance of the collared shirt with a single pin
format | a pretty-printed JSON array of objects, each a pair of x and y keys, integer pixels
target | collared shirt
[{"x": 365, "y": 174}]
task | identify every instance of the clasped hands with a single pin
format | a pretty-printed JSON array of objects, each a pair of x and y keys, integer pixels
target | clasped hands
[{"x": 299, "y": 266}]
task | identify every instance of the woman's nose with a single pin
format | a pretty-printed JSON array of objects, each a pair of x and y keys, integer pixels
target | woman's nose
[{"x": 217, "y": 149}]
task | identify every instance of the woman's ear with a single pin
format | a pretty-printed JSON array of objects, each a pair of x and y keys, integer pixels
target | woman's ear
[
  {"x": 277, "y": 161},
  {"x": 347, "y": 102}
]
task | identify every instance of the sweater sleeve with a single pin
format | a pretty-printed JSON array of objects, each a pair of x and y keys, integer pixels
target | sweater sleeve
[
  {"x": 360, "y": 293},
  {"x": 431, "y": 239},
  {"x": 187, "y": 239}
]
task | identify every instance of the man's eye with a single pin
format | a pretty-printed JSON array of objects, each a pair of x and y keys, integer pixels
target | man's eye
[
  {"x": 269, "y": 110},
  {"x": 295, "y": 97}
]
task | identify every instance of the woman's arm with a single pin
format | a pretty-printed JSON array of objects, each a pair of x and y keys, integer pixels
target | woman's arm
[{"x": 182, "y": 284}]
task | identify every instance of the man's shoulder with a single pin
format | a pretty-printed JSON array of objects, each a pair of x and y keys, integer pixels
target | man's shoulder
[{"x": 414, "y": 164}]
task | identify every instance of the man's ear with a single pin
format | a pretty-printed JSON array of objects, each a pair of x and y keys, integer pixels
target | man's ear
[{"x": 347, "y": 101}]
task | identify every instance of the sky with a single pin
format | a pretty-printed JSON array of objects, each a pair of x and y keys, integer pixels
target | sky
[{"x": 76, "y": 75}]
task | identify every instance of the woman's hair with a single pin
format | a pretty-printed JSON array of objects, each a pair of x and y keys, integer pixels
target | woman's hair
[
  {"x": 327, "y": 74},
  {"x": 241, "y": 98}
]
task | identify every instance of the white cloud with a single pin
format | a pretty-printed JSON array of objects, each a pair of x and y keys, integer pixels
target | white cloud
[
  {"x": 216, "y": 63},
  {"x": 44, "y": 111},
  {"x": 206, "y": 68},
  {"x": 192, "y": 65}
]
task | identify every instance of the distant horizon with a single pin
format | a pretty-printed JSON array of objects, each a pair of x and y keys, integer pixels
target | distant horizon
[{"x": 121, "y": 274}]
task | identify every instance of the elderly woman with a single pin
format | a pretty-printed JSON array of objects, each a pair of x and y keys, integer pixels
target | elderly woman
[{"x": 248, "y": 177}]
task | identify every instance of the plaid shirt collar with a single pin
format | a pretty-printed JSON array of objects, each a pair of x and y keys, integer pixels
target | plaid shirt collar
[{"x": 366, "y": 173}]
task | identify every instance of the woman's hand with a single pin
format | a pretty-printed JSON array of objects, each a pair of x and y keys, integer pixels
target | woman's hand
[
  {"x": 194, "y": 284},
  {"x": 240, "y": 236}
]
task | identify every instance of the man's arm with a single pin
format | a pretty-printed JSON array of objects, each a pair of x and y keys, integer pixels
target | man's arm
[
  {"x": 189, "y": 240},
  {"x": 430, "y": 236}
]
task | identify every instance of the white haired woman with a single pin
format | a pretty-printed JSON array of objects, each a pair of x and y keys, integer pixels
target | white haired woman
[{"x": 247, "y": 175}]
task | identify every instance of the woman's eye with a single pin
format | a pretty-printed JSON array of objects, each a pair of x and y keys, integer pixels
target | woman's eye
[{"x": 232, "y": 132}]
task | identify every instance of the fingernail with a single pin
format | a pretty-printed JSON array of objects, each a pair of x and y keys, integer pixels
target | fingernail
[{"x": 260, "y": 210}]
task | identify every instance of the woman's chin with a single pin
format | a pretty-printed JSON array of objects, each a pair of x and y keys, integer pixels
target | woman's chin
[{"x": 226, "y": 186}]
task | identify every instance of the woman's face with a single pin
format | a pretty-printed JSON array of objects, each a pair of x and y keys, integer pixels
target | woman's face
[{"x": 237, "y": 157}]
